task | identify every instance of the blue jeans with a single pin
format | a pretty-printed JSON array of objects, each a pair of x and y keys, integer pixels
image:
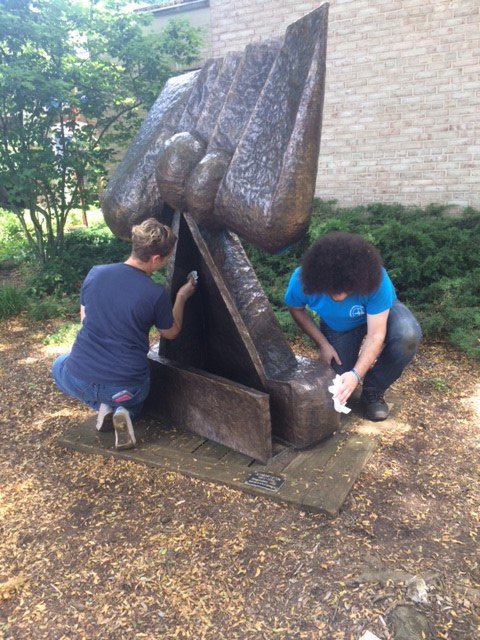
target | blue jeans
[
  {"x": 94, "y": 394},
  {"x": 401, "y": 343}
]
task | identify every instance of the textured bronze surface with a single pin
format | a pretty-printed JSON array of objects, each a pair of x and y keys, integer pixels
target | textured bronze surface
[
  {"x": 182, "y": 152},
  {"x": 197, "y": 101},
  {"x": 234, "y": 147},
  {"x": 214, "y": 336},
  {"x": 230, "y": 330},
  {"x": 271, "y": 179},
  {"x": 203, "y": 183},
  {"x": 132, "y": 194},
  {"x": 301, "y": 405},
  {"x": 250, "y": 301},
  {"x": 216, "y": 408},
  {"x": 250, "y": 76},
  {"x": 243, "y": 94},
  {"x": 235, "y": 144},
  {"x": 218, "y": 94}
]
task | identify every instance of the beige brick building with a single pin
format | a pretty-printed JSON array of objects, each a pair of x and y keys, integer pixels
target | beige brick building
[{"x": 402, "y": 103}]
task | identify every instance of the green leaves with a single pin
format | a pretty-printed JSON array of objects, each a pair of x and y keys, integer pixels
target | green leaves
[{"x": 75, "y": 80}]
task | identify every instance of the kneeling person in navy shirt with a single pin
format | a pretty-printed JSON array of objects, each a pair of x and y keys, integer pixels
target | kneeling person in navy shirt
[
  {"x": 343, "y": 281},
  {"x": 107, "y": 367}
]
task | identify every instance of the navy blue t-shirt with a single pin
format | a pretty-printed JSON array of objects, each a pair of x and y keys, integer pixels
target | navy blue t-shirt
[{"x": 121, "y": 305}]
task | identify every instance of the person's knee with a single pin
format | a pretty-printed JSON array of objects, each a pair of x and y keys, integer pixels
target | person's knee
[
  {"x": 405, "y": 332},
  {"x": 58, "y": 372},
  {"x": 57, "y": 367},
  {"x": 408, "y": 340}
]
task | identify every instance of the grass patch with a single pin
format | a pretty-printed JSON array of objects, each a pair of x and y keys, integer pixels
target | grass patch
[
  {"x": 439, "y": 384},
  {"x": 53, "y": 307},
  {"x": 12, "y": 301},
  {"x": 64, "y": 335}
]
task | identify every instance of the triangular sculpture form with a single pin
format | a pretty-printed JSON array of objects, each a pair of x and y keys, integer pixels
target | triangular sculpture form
[{"x": 233, "y": 149}]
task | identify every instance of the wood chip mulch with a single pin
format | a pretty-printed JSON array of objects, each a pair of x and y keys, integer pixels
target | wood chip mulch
[{"x": 103, "y": 548}]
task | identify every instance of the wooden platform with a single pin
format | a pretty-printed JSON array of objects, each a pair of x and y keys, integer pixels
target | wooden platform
[{"x": 317, "y": 480}]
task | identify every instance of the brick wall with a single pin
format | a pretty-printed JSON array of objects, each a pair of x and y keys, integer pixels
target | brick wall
[{"x": 402, "y": 103}]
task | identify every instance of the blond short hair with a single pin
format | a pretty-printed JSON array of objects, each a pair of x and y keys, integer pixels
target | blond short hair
[{"x": 152, "y": 238}]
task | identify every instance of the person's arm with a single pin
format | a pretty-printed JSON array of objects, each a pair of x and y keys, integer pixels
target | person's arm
[
  {"x": 307, "y": 325},
  {"x": 82, "y": 313},
  {"x": 371, "y": 348},
  {"x": 182, "y": 296}
]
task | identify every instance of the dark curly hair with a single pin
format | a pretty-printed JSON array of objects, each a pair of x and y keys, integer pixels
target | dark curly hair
[{"x": 341, "y": 263}]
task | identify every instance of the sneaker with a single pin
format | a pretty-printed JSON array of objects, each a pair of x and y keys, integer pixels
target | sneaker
[
  {"x": 376, "y": 408},
  {"x": 124, "y": 434},
  {"x": 104, "y": 418}
]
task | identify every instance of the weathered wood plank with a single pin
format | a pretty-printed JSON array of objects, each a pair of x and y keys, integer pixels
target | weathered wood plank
[
  {"x": 316, "y": 480},
  {"x": 276, "y": 464},
  {"x": 330, "y": 491},
  {"x": 309, "y": 464},
  {"x": 210, "y": 451},
  {"x": 237, "y": 459},
  {"x": 188, "y": 442},
  {"x": 306, "y": 469}
]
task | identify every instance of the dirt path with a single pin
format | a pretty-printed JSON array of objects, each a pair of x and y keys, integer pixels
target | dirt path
[{"x": 94, "y": 548}]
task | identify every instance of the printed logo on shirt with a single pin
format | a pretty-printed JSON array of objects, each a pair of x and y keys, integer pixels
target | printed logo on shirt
[{"x": 357, "y": 310}]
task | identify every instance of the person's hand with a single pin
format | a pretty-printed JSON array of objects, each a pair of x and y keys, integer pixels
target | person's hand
[
  {"x": 188, "y": 289},
  {"x": 327, "y": 354},
  {"x": 347, "y": 386}
]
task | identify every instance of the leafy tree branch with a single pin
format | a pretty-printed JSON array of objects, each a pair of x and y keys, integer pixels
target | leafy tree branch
[{"x": 75, "y": 79}]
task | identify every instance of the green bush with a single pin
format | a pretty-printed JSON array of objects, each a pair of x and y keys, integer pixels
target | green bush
[
  {"x": 13, "y": 245},
  {"x": 12, "y": 301},
  {"x": 53, "y": 307},
  {"x": 433, "y": 260},
  {"x": 64, "y": 335},
  {"x": 84, "y": 248}
]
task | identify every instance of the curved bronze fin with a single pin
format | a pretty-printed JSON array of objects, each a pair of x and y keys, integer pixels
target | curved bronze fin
[
  {"x": 131, "y": 194},
  {"x": 267, "y": 192}
]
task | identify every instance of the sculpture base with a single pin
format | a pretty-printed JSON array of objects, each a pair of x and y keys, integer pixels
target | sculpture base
[
  {"x": 239, "y": 417},
  {"x": 316, "y": 480},
  {"x": 211, "y": 406},
  {"x": 301, "y": 405}
]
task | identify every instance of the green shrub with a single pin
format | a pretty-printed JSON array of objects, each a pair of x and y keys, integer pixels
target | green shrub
[
  {"x": 64, "y": 335},
  {"x": 13, "y": 245},
  {"x": 52, "y": 290},
  {"x": 53, "y": 307},
  {"x": 84, "y": 248},
  {"x": 12, "y": 301}
]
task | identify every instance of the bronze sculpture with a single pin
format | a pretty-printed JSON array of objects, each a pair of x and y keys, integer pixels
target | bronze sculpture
[{"x": 233, "y": 149}]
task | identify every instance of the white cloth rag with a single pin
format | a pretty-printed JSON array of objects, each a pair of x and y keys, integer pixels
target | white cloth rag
[{"x": 341, "y": 408}]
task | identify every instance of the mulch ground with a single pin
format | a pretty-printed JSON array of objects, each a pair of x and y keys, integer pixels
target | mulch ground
[{"x": 103, "y": 548}]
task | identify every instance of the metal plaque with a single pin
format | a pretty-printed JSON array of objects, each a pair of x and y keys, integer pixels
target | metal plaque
[{"x": 266, "y": 481}]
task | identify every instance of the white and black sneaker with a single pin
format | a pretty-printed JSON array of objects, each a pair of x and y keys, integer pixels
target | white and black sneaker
[
  {"x": 124, "y": 434},
  {"x": 105, "y": 418}
]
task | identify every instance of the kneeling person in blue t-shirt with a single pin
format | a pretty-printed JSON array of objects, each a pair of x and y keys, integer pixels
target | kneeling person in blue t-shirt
[
  {"x": 343, "y": 281},
  {"x": 107, "y": 367}
]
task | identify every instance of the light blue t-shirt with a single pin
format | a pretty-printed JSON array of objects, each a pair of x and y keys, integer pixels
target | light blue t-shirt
[{"x": 346, "y": 314}]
